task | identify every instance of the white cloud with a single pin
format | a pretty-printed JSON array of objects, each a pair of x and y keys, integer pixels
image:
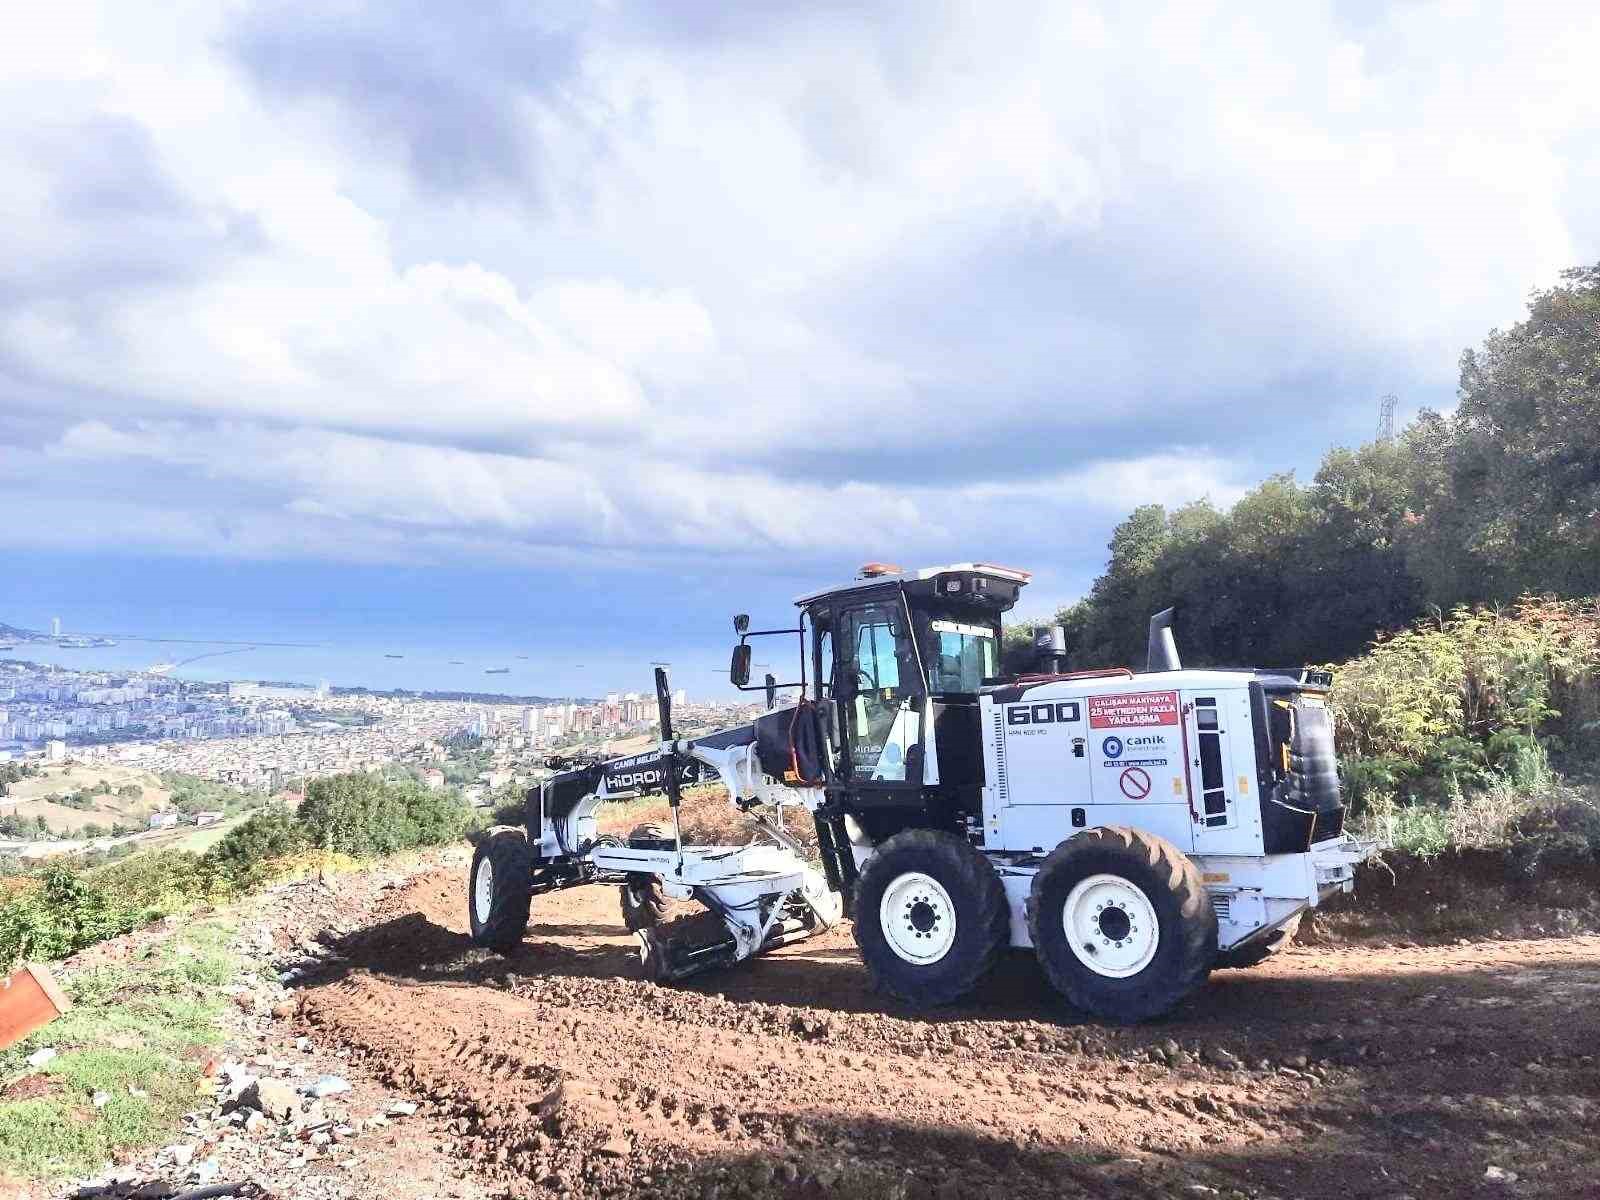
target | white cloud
[
  {"x": 729, "y": 284},
  {"x": 381, "y": 491}
]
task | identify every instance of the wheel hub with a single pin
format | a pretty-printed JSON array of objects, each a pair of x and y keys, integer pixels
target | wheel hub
[
  {"x": 483, "y": 890},
  {"x": 918, "y": 918},
  {"x": 1111, "y": 926},
  {"x": 1115, "y": 924}
]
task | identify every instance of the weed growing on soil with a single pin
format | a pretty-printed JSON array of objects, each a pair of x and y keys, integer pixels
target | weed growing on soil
[
  {"x": 1554, "y": 824},
  {"x": 131, "y": 1034}
]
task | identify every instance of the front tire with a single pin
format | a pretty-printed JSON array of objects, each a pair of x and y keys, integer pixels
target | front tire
[
  {"x": 930, "y": 917},
  {"x": 498, "y": 893},
  {"x": 1122, "y": 924}
]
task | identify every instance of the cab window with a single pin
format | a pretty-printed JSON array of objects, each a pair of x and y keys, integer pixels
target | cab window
[
  {"x": 825, "y": 664},
  {"x": 884, "y": 719},
  {"x": 877, "y": 667},
  {"x": 965, "y": 656}
]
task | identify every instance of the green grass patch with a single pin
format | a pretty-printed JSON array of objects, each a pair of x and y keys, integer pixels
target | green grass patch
[{"x": 133, "y": 1027}]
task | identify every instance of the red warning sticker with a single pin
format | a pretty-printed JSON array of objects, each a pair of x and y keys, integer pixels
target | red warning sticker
[
  {"x": 1135, "y": 783},
  {"x": 1132, "y": 709}
]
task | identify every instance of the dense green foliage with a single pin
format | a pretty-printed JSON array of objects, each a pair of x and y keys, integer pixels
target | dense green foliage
[
  {"x": 1496, "y": 500},
  {"x": 465, "y": 765},
  {"x": 63, "y": 912},
  {"x": 1465, "y": 710},
  {"x": 14, "y": 826},
  {"x": 364, "y": 815}
]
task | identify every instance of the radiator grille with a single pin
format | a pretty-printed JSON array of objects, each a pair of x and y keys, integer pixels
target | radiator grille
[
  {"x": 1222, "y": 905},
  {"x": 1001, "y": 782}
]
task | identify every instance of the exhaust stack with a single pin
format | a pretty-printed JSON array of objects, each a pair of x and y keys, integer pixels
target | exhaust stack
[{"x": 1162, "y": 654}]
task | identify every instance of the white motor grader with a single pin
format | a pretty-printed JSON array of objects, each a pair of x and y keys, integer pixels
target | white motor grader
[{"x": 1134, "y": 830}]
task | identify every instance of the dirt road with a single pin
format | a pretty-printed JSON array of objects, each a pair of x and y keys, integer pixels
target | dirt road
[{"x": 1341, "y": 1073}]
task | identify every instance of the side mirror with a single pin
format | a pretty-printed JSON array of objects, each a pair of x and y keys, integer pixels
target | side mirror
[
  {"x": 739, "y": 669},
  {"x": 741, "y": 623}
]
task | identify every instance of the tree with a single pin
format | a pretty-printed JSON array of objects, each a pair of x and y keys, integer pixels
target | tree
[
  {"x": 1524, "y": 466},
  {"x": 1499, "y": 499}
]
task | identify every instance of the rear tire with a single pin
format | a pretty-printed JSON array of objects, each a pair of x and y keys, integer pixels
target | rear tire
[
  {"x": 1122, "y": 924},
  {"x": 644, "y": 901},
  {"x": 930, "y": 917},
  {"x": 1259, "y": 951},
  {"x": 498, "y": 893}
]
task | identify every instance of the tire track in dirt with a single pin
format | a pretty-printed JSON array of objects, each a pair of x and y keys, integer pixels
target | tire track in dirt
[{"x": 562, "y": 1074}]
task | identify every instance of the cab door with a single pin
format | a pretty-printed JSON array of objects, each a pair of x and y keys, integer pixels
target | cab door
[
  {"x": 1214, "y": 721},
  {"x": 880, "y": 693}
]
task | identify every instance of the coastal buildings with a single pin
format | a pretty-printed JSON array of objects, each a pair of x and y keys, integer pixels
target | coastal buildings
[{"x": 271, "y": 738}]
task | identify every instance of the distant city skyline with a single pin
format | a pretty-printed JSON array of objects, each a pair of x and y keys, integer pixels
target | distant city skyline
[{"x": 577, "y": 643}]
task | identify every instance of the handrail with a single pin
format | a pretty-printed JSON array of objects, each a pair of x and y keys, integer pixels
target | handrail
[{"x": 1098, "y": 673}]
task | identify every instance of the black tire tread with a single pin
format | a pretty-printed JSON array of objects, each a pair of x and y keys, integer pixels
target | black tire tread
[
  {"x": 509, "y": 903},
  {"x": 644, "y": 903},
  {"x": 971, "y": 871},
  {"x": 1197, "y": 927}
]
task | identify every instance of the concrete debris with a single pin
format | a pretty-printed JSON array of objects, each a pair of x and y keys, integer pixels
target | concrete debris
[
  {"x": 277, "y": 1098},
  {"x": 179, "y": 1154}
]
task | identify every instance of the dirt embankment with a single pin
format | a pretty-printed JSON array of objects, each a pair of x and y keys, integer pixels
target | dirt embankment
[{"x": 1335, "y": 1071}]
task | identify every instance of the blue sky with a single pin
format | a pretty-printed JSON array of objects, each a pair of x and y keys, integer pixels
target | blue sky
[{"x": 603, "y": 321}]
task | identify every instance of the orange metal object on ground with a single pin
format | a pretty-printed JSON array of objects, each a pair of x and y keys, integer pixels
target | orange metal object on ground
[{"x": 29, "y": 999}]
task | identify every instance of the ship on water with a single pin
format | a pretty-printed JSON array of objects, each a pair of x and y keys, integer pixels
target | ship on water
[
  {"x": 497, "y": 670},
  {"x": 394, "y": 655}
]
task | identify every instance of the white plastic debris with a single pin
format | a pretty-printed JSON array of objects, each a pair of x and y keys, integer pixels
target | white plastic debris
[
  {"x": 39, "y": 1057},
  {"x": 329, "y": 1085}
]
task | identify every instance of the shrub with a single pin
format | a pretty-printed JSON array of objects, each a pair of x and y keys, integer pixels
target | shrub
[
  {"x": 157, "y": 881},
  {"x": 1560, "y": 833},
  {"x": 244, "y": 855},
  {"x": 362, "y": 815},
  {"x": 62, "y": 912},
  {"x": 1470, "y": 676}
]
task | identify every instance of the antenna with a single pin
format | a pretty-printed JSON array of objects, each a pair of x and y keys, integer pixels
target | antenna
[{"x": 1386, "y": 417}]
